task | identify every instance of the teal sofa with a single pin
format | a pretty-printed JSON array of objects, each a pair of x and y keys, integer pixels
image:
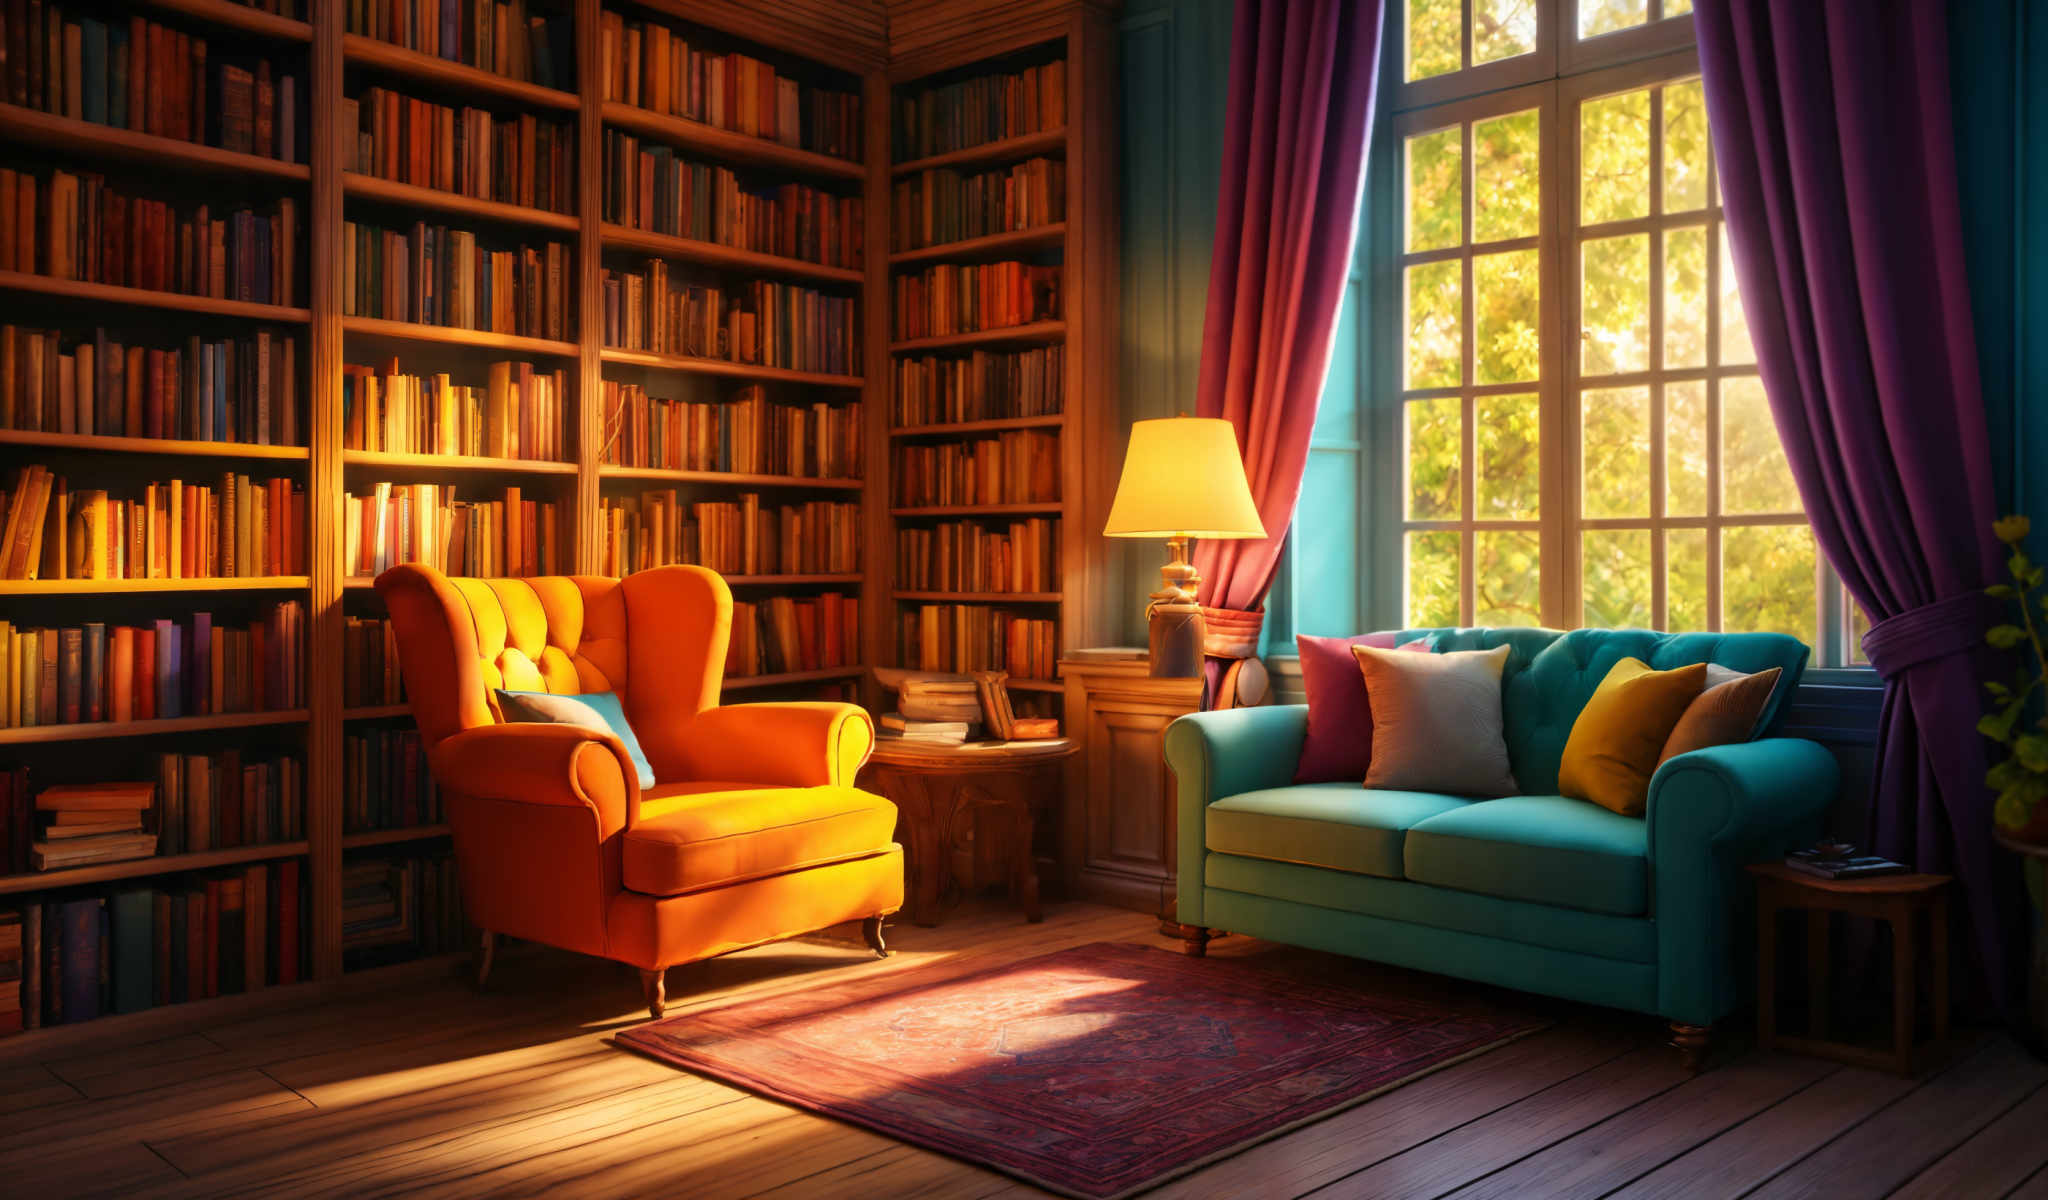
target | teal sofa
[{"x": 1536, "y": 892}]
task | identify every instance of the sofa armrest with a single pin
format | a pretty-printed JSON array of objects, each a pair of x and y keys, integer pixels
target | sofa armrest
[
  {"x": 796, "y": 744},
  {"x": 562, "y": 766},
  {"x": 1712, "y": 812},
  {"x": 1218, "y": 754}
]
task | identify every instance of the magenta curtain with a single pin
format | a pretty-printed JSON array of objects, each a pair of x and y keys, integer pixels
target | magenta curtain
[
  {"x": 1833, "y": 134},
  {"x": 1300, "y": 117}
]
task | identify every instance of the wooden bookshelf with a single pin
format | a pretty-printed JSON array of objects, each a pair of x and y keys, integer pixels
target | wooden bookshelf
[
  {"x": 1035, "y": 333},
  {"x": 618, "y": 237},
  {"x": 751, "y": 372},
  {"x": 111, "y": 587},
  {"x": 994, "y": 245},
  {"x": 238, "y": 17},
  {"x": 448, "y": 335},
  {"x": 460, "y": 207},
  {"x": 386, "y": 837},
  {"x": 169, "y": 447},
  {"x": 970, "y": 428},
  {"x": 788, "y": 580},
  {"x": 99, "y": 731},
  {"x": 980, "y": 597},
  {"x": 730, "y": 478},
  {"x": 29, "y": 127},
  {"x": 360, "y": 51},
  {"x": 744, "y": 683},
  {"x": 724, "y": 145},
  {"x": 142, "y": 868},
  {"x": 1002, "y": 150},
  {"x": 461, "y": 463},
  {"x": 1052, "y": 509},
  {"x": 373, "y": 712},
  {"x": 108, "y": 293}
]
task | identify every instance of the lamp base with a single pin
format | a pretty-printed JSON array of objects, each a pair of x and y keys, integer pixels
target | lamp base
[{"x": 1174, "y": 618}]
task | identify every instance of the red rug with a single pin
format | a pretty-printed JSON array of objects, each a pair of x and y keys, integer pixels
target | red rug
[{"x": 1095, "y": 1072}]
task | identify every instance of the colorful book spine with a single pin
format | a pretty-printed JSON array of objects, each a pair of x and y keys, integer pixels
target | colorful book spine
[
  {"x": 976, "y": 637},
  {"x": 970, "y": 112},
  {"x": 504, "y": 38},
  {"x": 524, "y": 159},
  {"x": 426, "y": 523},
  {"x": 435, "y": 275},
  {"x": 784, "y": 634},
  {"x": 237, "y": 527},
  {"x": 745, "y": 434},
  {"x": 732, "y": 537},
  {"x": 651, "y": 186},
  {"x": 1018, "y": 467},
  {"x": 759, "y": 322},
  {"x": 980, "y": 386},
  {"x": 161, "y": 670},
  {"x": 518, "y": 412},
  {"x": 968, "y": 556},
  {"x": 942, "y": 205},
  {"x": 949, "y": 298},
  {"x": 386, "y": 783}
]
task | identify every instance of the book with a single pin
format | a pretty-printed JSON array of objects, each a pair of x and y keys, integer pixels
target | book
[
  {"x": 654, "y": 66},
  {"x": 936, "y": 206},
  {"x": 651, "y": 186},
  {"x": 369, "y": 656},
  {"x": 522, "y": 159},
  {"x": 733, "y": 537},
  {"x": 1018, "y": 467},
  {"x": 995, "y": 704},
  {"x": 426, "y": 523},
  {"x": 783, "y": 634},
  {"x": 1854, "y": 866},
  {"x": 386, "y": 783},
  {"x": 745, "y": 433},
  {"x": 518, "y": 412},
  {"x": 974, "y": 637},
  {"x": 976, "y": 556},
  {"x": 984, "y": 385},
  {"x": 949, "y": 298},
  {"x": 233, "y": 390},
  {"x": 252, "y": 668},
  {"x": 504, "y": 37},
  {"x": 968, "y": 112},
  {"x": 102, "y": 848},
  {"x": 235, "y": 527},
  {"x": 1025, "y": 729},
  {"x": 943, "y": 733},
  {"x": 759, "y": 321},
  {"x": 438, "y": 275}
]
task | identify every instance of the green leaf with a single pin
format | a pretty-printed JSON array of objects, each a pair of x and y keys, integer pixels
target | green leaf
[
  {"x": 1996, "y": 726},
  {"x": 1997, "y": 689},
  {"x": 2019, "y": 564},
  {"x": 2005, "y": 637},
  {"x": 2031, "y": 752},
  {"x": 2001, "y": 591}
]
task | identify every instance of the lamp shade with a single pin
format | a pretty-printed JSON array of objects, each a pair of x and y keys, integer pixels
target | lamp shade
[{"x": 1183, "y": 476}]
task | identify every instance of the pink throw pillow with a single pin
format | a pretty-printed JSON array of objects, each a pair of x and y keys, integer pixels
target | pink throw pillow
[{"x": 1338, "y": 747}]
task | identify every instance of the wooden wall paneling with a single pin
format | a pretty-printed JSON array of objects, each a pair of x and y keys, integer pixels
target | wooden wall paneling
[
  {"x": 1119, "y": 823},
  {"x": 1092, "y": 339},
  {"x": 850, "y": 35},
  {"x": 926, "y": 36},
  {"x": 878, "y": 539},
  {"x": 589, "y": 286}
]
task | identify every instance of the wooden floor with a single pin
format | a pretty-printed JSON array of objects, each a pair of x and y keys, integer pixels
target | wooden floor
[{"x": 431, "y": 1088}]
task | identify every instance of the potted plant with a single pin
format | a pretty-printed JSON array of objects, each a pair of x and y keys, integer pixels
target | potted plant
[{"x": 2015, "y": 722}]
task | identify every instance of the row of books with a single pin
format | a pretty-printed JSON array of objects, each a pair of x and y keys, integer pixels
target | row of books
[
  {"x": 140, "y": 75},
  {"x": 406, "y": 904},
  {"x": 938, "y": 206},
  {"x": 385, "y": 782},
  {"x": 972, "y": 111},
  {"x": 81, "y": 674},
  {"x": 966, "y": 556},
  {"x": 976, "y": 637},
  {"x": 783, "y": 634},
  {"x": 987, "y": 385},
  {"x": 75, "y": 225},
  {"x": 232, "y": 390},
  {"x": 965, "y": 297},
  {"x": 518, "y": 412},
  {"x": 761, "y": 322},
  {"x": 501, "y": 37},
  {"x": 1018, "y": 467},
  {"x": 434, "y": 275},
  {"x": 369, "y": 663},
  {"x": 241, "y": 528},
  {"x": 732, "y": 537},
  {"x": 473, "y": 152},
  {"x": 130, "y": 949},
  {"x": 746, "y": 434},
  {"x": 651, "y": 186},
  {"x": 426, "y": 523},
  {"x": 192, "y": 803},
  {"x": 650, "y": 66}
]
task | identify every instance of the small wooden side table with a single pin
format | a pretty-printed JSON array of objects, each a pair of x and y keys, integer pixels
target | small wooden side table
[
  {"x": 1900, "y": 900},
  {"x": 938, "y": 789}
]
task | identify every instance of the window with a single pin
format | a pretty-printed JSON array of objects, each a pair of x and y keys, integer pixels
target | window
[{"x": 1582, "y": 435}]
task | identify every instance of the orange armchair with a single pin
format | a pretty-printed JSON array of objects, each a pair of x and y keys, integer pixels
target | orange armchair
[{"x": 753, "y": 831}]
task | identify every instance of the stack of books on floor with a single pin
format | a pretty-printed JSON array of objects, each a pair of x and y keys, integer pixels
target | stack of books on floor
[
  {"x": 92, "y": 823},
  {"x": 941, "y": 712}
]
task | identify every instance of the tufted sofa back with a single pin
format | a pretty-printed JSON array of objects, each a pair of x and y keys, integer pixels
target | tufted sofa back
[
  {"x": 1550, "y": 675},
  {"x": 657, "y": 638}
]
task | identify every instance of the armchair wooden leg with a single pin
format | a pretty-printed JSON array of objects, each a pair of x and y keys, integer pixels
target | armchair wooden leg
[
  {"x": 654, "y": 986},
  {"x": 1691, "y": 1042},
  {"x": 484, "y": 954},
  {"x": 1194, "y": 940},
  {"x": 871, "y": 933}
]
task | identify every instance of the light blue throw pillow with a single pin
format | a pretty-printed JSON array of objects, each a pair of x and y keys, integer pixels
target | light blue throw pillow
[{"x": 598, "y": 711}]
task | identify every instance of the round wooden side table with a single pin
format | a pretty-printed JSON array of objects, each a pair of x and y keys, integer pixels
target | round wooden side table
[{"x": 938, "y": 790}]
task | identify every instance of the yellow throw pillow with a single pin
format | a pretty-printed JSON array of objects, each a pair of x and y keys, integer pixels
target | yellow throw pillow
[{"x": 1614, "y": 745}]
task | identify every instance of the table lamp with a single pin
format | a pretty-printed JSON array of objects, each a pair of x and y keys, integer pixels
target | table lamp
[{"x": 1183, "y": 477}]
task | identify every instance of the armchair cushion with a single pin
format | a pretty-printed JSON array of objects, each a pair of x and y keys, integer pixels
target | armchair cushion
[
  {"x": 797, "y": 744},
  {"x": 600, "y": 712},
  {"x": 712, "y": 839}
]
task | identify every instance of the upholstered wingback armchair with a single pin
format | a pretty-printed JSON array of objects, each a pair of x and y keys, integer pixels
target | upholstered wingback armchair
[{"x": 753, "y": 831}]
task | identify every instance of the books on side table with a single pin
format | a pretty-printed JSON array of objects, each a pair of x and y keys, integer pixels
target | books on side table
[
  {"x": 948, "y": 710},
  {"x": 1839, "y": 860},
  {"x": 93, "y": 823}
]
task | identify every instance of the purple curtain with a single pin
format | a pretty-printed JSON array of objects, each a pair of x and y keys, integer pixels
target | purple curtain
[
  {"x": 1832, "y": 132},
  {"x": 1300, "y": 116}
]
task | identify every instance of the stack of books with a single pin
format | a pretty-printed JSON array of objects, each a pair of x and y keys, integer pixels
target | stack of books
[
  {"x": 407, "y": 904},
  {"x": 936, "y": 711},
  {"x": 1840, "y": 860},
  {"x": 93, "y": 823}
]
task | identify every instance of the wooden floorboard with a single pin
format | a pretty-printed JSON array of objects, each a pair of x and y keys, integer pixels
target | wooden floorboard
[{"x": 435, "y": 1089}]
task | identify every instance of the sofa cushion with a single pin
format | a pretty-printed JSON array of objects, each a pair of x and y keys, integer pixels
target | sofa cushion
[
  {"x": 1338, "y": 745},
  {"x": 1336, "y": 825},
  {"x": 711, "y": 839},
  {"x": 1544, "y": 849},
  {"x": 1437, "y": 721},
  {"x": 1615, "y": 742}
]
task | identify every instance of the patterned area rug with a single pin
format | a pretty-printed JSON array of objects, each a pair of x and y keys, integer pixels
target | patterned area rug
[{"x": 1095, "y": 1072}]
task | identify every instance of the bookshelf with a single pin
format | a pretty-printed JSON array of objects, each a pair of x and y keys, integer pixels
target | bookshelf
[{"x": 825, "y": 45}]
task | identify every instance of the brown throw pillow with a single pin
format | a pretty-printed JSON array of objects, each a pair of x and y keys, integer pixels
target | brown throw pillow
[
  {"x": 1723, "y": 714},
  {"x": 1436, "y": 721}
]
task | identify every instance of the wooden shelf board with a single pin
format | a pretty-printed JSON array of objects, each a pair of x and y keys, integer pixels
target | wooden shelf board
[
  {"x": 240, "y": 17},
  {"x": 979, "y": 510},
  {"x": 164, "y": 446},
  {"x": 104, "y": 730},
  {"x": 1042, "y": 238},
  {"x": 727, "y": 477},
  {"x": 369, "y": 187},
  {"x": 1036, "y": 685},
  {"x": 371, "y": 712},
  {"x": 1002, "y": 150},
  {"x": 619, "y": 237},
  {"x": 136, "y": 868},
  {"x": 369, "y": 52},
  {"x": 384, "y": 837},
  {"x": 983, "y": 597},
  {"x": 107, "y": 293},
  {"x": 778, "y": 580},
  {"x": 457, "y": 462},
  {"x": 89, "y": 587},
  {"x": 1037, "y": 331},
  {"x": 787, "y": 677},
  {"x": 26, "y": 125},
  {"x": 410, "y": 331},
  {"x": 725, "y": 144},
  {"x": 994, "y": 425},
  {"x": 691, "y": 365}
]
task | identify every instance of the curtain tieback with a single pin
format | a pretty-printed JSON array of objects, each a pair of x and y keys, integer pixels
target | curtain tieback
[
  {"x": 1930, "y": 631},
  {"x": 1228, "y": 633}
]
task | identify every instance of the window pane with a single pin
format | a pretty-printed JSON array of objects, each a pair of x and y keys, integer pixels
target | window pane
[
  {"x": 1434, "y": 446},
  {"x": 1685, "y": 580},
  {"x": 1502, "y": 29},
  {"x": 1685, "y": 297},
  {"x": 1509, "y": 438},
  {"x": 1506, "y": 577},
  {"x": 1685, "y": 144},
  {"x": 1435, "y": 308},
  {"x": 1614, "y": 157},
  {"x": 1767, "y": 580},
  {"x": 1614, "y": 457},
  {"x": 1505, "y": 312},
  {"x": 1432, "y": 579},
  {"x": 1505, "y": 172},
  {"x": 1859, "y": 624},
  {"x": 1436, "y": 183},
  {"x": 1675, "y": 8},
  {"x": 1433, "y": 37},
  {"x": 1614, "y": 305},
  {"x": 1735, "y": 347},
  {"x": 1605, "y": 16},
  {"x": 1617, "y": 578},
  {"x": 1755, "y": 478},
  {"x": 1685, "y": 452}
]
